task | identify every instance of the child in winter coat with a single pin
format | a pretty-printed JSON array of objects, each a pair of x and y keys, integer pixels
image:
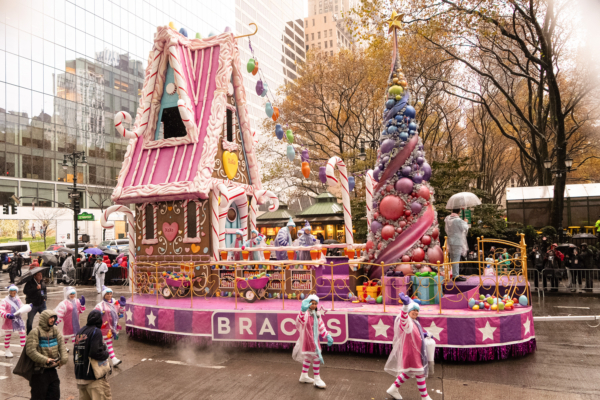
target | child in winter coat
[
  {"x": 68, "y": 311},
  {"x": 111, "y": 312},
  {"x": 11, "y": 309},
  {"x": 408, "y": 358},
  {"x": 308, "y": 347}
]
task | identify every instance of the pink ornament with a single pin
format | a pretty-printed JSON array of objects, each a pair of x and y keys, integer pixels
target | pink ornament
[
  {"x": 391, "y": 207},
  {"x": 418, "y": 255},
  {"x": 404, "y": 185},
  {"x": 435, "y": 254},
  {"x": 424, "y": 192},
  {"x": 405, "y": 258},
  {"x": 406, "y": 269},
  {"x": 389, "y": 188},
  {"x": 436, "y": 233},
  {"x": 379, "y": 246},
  {"x": 375, "y": 215},
  {"x": 426, "y": 240},
  {"x": 402, "y": 224},
  {"x": 409, "y": 218},
  {"x": 399, "y": 230},
  {"x": 407, "y": 213},
  {"x": 387, "y": 232},
  {"x": 370, "y": 245}
]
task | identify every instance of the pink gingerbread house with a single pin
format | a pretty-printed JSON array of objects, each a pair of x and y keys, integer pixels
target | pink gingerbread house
[{"x": 190, "y": 166}]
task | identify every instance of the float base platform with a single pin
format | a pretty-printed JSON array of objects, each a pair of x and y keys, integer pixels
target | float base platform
[
  {"x": 460, "y": 335},
  {"x": 487, "y": 285}
]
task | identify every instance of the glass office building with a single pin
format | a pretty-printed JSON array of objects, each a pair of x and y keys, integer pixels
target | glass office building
[{"x": 66, "y": 67}]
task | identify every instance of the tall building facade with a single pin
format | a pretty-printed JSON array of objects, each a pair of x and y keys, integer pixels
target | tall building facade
[
  {"x": 325, "y": 28},
  {"x": 66, "y": 67}
]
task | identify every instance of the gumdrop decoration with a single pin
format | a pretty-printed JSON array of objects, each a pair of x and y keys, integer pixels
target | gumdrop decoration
[
  {"x": 404, "y": 225},
  {"x": 304, "y": 155},
  {"x": 275, "y": 114},
  {"x": 198, "y": 35},
  {"x": 279, "y": 131},
  {"x": 251, "y": 64},
  {"x": 265, "y": 89},
  {"x": 351, "y": 183},
  {"x": 290, "y": 136},
  {"x": 291, "y": 153},
  {"x": 323, "y": 175},
  {"x": 305, "y": 169},
  {"x": 269, "y": 110},
  {"x": 259, "y": 87}
]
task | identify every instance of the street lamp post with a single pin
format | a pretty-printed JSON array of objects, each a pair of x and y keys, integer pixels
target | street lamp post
[
  {"x": 75, "y": 158},
  {"x": 558, "y": 173},
  {"x": 363, "y": 155}
]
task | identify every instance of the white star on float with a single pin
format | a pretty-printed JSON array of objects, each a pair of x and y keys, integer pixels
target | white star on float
[
  {"x": 129, "y": 315},
  {"x": 487, "y": 331},
  {"x": 527, "y": 326},
  {"x": 151, "y": 319},
  {"x": 381, "y": 329},
  {"x": 434, "y": 330}
]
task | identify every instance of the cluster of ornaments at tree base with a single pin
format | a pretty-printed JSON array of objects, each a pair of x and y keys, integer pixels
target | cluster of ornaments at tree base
[
  {"x": 489, "y": 302},
  {"x": 404, "y": 222}
]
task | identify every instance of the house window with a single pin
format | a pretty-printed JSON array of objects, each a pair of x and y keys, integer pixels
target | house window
[
  {"x": 326, "y": 44},
  {"x": 191, "y": 214},
  {"x": 325, "y": 19},
  {"x": 149, "y": 218},
  {"x": 229, "y": 125},
  {"x": 325, "y": 33},
  {"x": 171, "y": 123}
]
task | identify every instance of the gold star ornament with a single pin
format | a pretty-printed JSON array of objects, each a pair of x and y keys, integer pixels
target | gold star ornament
[{"x": 395, "y": 21}]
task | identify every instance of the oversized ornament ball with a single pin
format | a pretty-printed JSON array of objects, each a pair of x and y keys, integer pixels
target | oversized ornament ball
[
  {"x": 387, "y": 145},
  {"x": 391, "y": 207},
  {"x": 398, "y": 230},
  {"x": 435, "y": 254},
  {"x": 376, "y": 173},
  {"x": 405, "y": 258},
  {"x": 435, "y": 233},
  {"x": 481, "y": 304},
  {"x": 417, "y": 178},
  {"x": 426, "y": 240},
  {"x": 387, "y": 232},
  {"x": 407, "y": 213},
  {"x": 404, "y": 185},
  {"x": 420, "y": 160},
  {"x": 412, "y": 126},
  {"x": 501, "y": 306},
  {"x": 323, "y": 174},
  {"x": 392, "y": 129},
  {"x": 475, "y": 307},
  {"x": 426, "y": 168},
  {"x": 395, "y": 90},
  {"x": 389, "y": 104},
  {"x": 369, "y": 245},
  {"x": 376, "y": 226},
  {"x": 416, "y": 207},
  {"x": 423, "y": 192},
  {"x": 418, "y": 255},
  {"x": 404, "y": 136},
  {"x": 410, "y": 112},
  {"x": 406, "y": 170},
  {"x": 402, "y": 224}
]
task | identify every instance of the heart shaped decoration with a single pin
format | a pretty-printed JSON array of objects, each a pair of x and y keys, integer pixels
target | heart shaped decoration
[
  {"x": 195, "y": 248},
  {"x": 202, "y": 234},
  {"x": 170, "y": 208},
  {"x": 187, "y": 249},
  {"x": 149, "y": 250},
  {"x": 180, "y": 232},
  {"x": 230, "y": 164},
  {"x": 170, "y": 230}
]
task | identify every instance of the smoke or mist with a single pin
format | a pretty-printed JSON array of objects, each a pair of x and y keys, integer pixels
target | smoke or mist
[
  {"x": 201, "y": 355},
  {"x": 586, "y": 20}
]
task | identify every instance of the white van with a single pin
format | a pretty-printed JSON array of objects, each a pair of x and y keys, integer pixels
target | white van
[
  {"x": 116, "y": 244},
  {"x": 18, "y": 247}
]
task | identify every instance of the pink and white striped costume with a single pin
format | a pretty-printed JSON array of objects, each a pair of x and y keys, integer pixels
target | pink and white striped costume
[
  {"x": 408, "y": 358},
  {"x": 65, "y": 310},
  {"x": 111, "y": 312},
  {"x": 308, "y": 350},
  {"x": 10, "y": 305}
]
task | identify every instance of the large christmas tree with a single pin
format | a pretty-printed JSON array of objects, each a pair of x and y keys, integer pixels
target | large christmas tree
[{"x": 404, "y": 222}]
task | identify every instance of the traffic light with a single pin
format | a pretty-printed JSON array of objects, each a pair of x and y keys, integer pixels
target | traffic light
[
  {"x": 76, "y": 206},
  {"x": 14, "y": 209},
  {"x": 5, "y": 209}
]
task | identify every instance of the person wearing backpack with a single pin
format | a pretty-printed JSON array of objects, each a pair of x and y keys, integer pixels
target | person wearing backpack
[
  {"x": 47, "y": 350},
  {"x": 89, "y": 345}
]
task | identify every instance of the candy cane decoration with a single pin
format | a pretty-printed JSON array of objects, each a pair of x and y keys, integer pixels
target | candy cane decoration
[
  {"x": 123, "y": 116},
  {"x": 106, "y": 224},
  {"x": 369, "y": 195},
  {"x": 255, "y": 202},
  {"x": 332, "y": 181},
  {"x": 219, "y": 189},
  {"x": 238, "y": 196}
]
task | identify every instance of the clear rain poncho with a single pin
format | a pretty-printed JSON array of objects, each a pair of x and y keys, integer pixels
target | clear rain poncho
[
  {"x": 68, "y": 312},
  {"x": 457, "y": 229}
]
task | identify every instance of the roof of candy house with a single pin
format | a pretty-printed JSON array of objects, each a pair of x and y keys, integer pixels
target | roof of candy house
[{"x": 197, "y": 74}]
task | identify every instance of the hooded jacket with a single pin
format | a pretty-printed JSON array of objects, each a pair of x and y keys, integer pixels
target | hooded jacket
[
  {"x": 45, "y": 342},
  {"x": 89, "y": 344}
]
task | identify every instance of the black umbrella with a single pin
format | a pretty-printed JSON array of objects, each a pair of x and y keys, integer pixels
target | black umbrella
[
  {"x": 66, "y": 250},
  {"x": 29, "y": 274},
  {"x": 49, "y": 259}
]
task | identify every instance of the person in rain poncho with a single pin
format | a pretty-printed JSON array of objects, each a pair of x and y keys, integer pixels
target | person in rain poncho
[
  {"x": 408, "y": 358},
  {"x": 100, "y": 269},
  {"x": 306, "y": 240},
  {"x": 255, "y": 241},
  {"x": 239, "y": 243},
  {"x": 284, "y": 238},
  {"x": 456, "y": 230},
  {"x": 111, "y": 312},
  {"x": 307, "y": 350},
  {"x": 68, "y": 312},
  {"x": 12, "y": 321},
  {"x": 68, "y": 269}
]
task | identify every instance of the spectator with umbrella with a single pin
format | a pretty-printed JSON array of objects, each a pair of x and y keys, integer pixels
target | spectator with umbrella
[{"x": 457, "y": 229}]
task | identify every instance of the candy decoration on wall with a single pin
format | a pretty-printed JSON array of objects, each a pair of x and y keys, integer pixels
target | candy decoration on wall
[
  {"x": 403, "y": 220},
  {"x": 291, "y": 153},
  {"x": 279, "y": 131},
  {"x": 305, "y": 169},
  {"x": 332, "y": 181},
  {"x": 250, "y": 66},
  {"x": 269, "y": 109},
  {"x": 230, "y": 164}
]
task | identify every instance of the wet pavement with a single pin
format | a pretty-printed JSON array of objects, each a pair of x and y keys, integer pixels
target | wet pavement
[{"x": 566, "y": 366}]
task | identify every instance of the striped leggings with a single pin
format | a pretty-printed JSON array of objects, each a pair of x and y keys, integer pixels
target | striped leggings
[
  {"x": 22, "y": 337},
  {"x": 108, "y": 343},
  {"x": 420, "y": 383},
  {"x": 72, "y": 337},
  {"x": 316, "y": 363}
]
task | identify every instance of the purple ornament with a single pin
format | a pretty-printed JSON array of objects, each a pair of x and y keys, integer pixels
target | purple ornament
[
  {"x": 426, "y": 171},
  {"x": 404, "y": 185},
  {"x": 387, "y": 145},
  {"x": 374, "y": 205},
  {"x": 420, "y": 147},
  {"x": 415, "y": 208},
  {"x": 420, "y": 160},
  {"x": 406, "y": 170},
  {"x": 351, "y": 183},
  {"x": 259, "y": 87},
  {"x": 304, "y": 155},
  {"x": 419, "y": 154},
  {"x": 376, "y": 173},
  {"x": 376, "y": 226},
  {"x": 418, "y": 178},
  {"x": 415, "y": 167},
  {"x": 385, "y": 159},
  {"x": 323, "y": 174}
]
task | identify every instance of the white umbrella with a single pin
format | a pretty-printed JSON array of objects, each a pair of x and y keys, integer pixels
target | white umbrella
[{"x": 462, "y": 200}]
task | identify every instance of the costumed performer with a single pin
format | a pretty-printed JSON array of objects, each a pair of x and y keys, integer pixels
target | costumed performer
[
  {"x": 456, "y": 229},
  {"x": 100, "y": 268},
  {"x": 284, "y": 238},
  {"x": 68, "y": 311},
  {"x": 307, "y": 350},
  {"x": 306, "y": 240},
  {"x": 11, "y": 309},
  {"x": 239, "y": 243},
  {"x": 68, "y": 269},
  {"x": 111, "y": 312},
  {"x": 255, "y": 241},
  {"x": 408, "y": 358}
]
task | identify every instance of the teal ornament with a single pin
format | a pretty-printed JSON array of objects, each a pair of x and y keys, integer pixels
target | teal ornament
[
  {"x": 471, "y": 303},
  {"x": 205, "y": 250},
  {"x": 291, "y": 153},
  {"x": 269, "y": 109},
  {"x": 211, "y": 34},
  {"x": 138, "y": 248},
  {"x": 301, "y": 296},
  {"x": 481, "y": 305},
  {"x": 265, "y": 90},
  {"x": 523, "y": 300}
]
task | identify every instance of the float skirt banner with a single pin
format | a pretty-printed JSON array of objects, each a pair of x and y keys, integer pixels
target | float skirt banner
[{"x": 249, "y": 326}]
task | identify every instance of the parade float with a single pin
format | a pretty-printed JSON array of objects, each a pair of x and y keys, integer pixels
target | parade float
[{"x": 192, "y": 174}]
